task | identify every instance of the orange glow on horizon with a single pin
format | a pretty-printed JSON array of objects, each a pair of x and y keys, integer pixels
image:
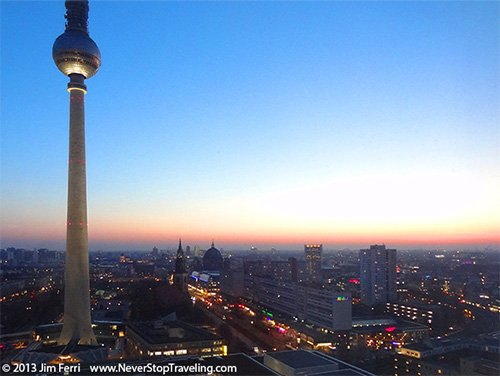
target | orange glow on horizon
[
  {"x": 246, "y": 232},
  {"x": 357, "y": 211},
  {"x": 246, "y": 240}
]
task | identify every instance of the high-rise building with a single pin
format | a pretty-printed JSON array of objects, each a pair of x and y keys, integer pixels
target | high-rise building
[
  {"x": 78, "y": 57},
  {"x": 198, "y": 252},
  {"x": 154, "y": 252},
  {"x": 378, "y": 275},
  {"x": 313, "y": 261}
]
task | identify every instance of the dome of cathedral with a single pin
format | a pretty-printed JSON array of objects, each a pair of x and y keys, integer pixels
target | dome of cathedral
[{"x": 212, "y": 259}]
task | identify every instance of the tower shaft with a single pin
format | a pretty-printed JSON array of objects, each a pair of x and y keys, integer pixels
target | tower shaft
[{"x": 77, "y": 322}]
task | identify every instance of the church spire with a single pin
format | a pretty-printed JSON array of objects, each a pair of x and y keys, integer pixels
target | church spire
[
  {"x": 180, "y": 262},
  {"x": 180, "y": 273}
]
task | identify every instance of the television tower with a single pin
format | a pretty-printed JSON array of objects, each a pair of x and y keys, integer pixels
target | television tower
[{"x": 77, "y": 56}]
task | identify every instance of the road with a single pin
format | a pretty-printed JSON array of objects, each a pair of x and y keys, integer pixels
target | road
[{"x": 254, "y": 329}]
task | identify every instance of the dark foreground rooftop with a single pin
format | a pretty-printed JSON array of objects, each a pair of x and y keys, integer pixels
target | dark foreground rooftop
[
  {"x": 299, "y": 359},
  {"x": 311, "y": 363},
  {"x": 157, "y": 332}
]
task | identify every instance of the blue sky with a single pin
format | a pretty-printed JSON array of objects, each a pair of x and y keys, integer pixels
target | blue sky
[{"x": 258, "y": 123}]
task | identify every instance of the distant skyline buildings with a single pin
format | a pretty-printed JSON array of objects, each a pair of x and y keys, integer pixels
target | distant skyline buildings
[
  {"x": 171, "y": 246},
  {"x": 290, "y": 242},
  {"x": 374, "y": 121}
]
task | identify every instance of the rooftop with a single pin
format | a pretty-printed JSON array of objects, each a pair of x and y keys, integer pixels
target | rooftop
[
  {"x": 379, "y": 325},
  {"x": 299, "y": 359},
  {"x": 37, "y": 353},
  {"x": 175, "y": 331},
  {"x": 452, "y": 359},
  {"x": 246, "y": 365}
]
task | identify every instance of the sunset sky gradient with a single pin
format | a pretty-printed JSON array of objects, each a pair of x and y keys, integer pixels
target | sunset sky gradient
[{"x": 268, "y": 124}]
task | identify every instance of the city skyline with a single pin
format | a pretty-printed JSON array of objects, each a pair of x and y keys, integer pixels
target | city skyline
[{"x": 371, "y": 123}]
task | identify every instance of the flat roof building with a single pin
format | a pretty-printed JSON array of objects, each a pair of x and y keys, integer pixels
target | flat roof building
[
  {"x": 302, "y": 362},
  {"x": 172, "y": 339}
]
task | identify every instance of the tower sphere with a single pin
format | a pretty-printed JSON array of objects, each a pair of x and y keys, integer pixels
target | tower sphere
[{"x": 74, "y": 52}]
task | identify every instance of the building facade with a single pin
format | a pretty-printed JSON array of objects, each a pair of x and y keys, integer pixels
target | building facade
[
  {"x": 325, "y": 308},
  {"x": 420, "y": 313}
]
